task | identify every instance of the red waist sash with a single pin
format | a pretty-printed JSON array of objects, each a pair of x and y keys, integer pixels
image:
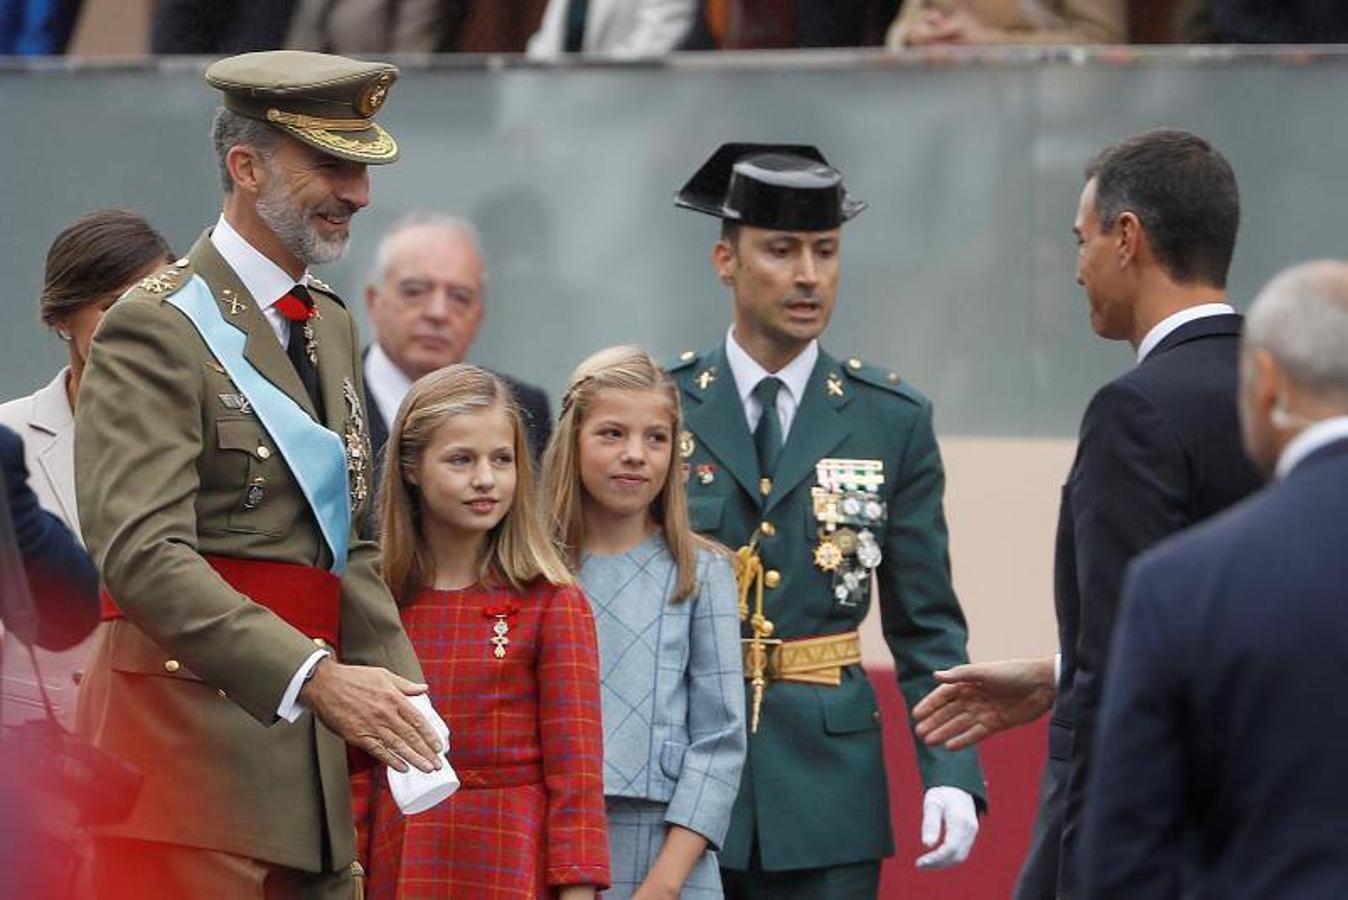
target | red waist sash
[{"x": 307, "y": 597}]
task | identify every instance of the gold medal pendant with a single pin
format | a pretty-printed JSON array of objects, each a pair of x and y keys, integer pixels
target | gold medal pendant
[
  {"x": 500, "y": 629},
  {"x": 827, "y": 556}
]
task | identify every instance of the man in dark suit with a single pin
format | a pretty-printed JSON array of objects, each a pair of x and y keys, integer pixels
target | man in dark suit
[
  {"x": 426, "y": 299},
  {"x": 1208, "y": 782},
  {"x": 1159, "y": 450}
]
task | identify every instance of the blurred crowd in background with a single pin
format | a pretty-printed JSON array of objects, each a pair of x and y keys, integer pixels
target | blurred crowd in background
[{"x": 642, "y": 28}]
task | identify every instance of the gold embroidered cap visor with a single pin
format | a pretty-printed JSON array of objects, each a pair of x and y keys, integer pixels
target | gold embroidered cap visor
[{"x": 325, "y": 101}]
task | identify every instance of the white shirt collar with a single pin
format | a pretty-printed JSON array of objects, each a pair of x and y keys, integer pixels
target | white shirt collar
[
  {"x": 1311, "y": 438},
  {"x": 264, "y": 279},
  {"x": 1162, "y": 329},
  {"x": 388, "y": 384},
  {"x": 748, "y": 373}
]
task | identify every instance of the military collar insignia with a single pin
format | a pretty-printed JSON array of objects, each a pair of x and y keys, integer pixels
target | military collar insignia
[
  {"x": 705, "y": 378},
  {"x": 833, "y": 381}
]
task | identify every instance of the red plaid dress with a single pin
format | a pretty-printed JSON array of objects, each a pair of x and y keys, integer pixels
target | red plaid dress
[{"x": 526, "y": 739}]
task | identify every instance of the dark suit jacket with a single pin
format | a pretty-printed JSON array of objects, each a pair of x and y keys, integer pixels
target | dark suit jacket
[
  {"x": 61, "y": 578},
  {"x": 1225, "y": 720},
  {"x": 1159, "y": 451},
  {"x": 533, "y": 405}
]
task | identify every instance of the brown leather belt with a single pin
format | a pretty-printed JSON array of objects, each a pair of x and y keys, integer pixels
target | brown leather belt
[{"x": 811, "y": 660}]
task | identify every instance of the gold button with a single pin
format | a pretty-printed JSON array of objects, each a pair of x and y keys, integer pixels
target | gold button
[
  {"x": 854, "y": 363},
  {"x": 772, "y": 578},
  {"x": 687, "y": 355},
  {"x": 263, "y": 452},
  {"x": 182, "y": 263},
  {"x": 875, "y": 716},
  {"x": 765, "y": 486},
  {"x": 892, "y": 377},
  {"x": 768, "y": 529},
  {"x": 172, "y": 665},
  {"x": 222, "y": 694},
  {"x": 320, "y": 642}
]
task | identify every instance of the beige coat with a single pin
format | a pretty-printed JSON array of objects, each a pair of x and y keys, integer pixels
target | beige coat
[
  {"x": 187, "y": 686},
  {"x": 1029, "y": 21},
  {"x": 47, "y": 426}
]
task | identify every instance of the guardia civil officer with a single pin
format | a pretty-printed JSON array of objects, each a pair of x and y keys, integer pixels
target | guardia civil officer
[
  {"x": 222, "y": 463},
  {"x": 826, "y": 475}
]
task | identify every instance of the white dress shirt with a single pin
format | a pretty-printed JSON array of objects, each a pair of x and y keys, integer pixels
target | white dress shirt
[
  {"x": 267, "y": 282},
  {"x": 1162, "y": 329},
  {"x": 387, "y": 383},
  {"x": 264, "y": 279},
  {"x": 748, "y": 373},
  {"x": 1312, "y": 438}
]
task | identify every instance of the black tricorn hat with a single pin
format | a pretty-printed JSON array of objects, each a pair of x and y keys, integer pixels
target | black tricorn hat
[{"x": 788, "y": 187}]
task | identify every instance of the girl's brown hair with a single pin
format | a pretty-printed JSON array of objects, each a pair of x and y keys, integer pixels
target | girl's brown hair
[
  {"x": 622, "y": 368},
  {"x": 95, "y": 255},
  {"x": 518, "y": 549}
]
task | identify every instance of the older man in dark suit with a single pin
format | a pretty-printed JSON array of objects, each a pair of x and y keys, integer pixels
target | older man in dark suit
[
  {"x": 1159, "y": 451},
  {"x": 1232, "y": 637},
  {"x": 426, "y": 299}
]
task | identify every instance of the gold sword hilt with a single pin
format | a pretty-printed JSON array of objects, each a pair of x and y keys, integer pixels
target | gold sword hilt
[{"x": 749, "y": 577}]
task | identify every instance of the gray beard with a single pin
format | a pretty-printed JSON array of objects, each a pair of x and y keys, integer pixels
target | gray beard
[{"x": 290, "y": 223}]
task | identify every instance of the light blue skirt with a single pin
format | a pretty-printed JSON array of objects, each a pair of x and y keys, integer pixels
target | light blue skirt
[{"x": 636, "y": 832}]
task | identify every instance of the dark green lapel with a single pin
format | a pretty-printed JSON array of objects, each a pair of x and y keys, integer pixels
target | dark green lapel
[
  {"x": 819, "y": 427},
  {"x": 238, "y": 308},
  {"x": 714, "y": 413}
]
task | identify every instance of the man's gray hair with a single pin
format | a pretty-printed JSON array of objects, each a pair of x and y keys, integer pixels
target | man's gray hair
[
  {"x": 1301, "y": 318},
  {"x": 418, "y": 219},
  {"x": 229, "y": 129}
]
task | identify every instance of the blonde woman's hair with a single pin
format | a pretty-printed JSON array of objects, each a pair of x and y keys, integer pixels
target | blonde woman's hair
[
  {"x": 623, "y": 368},
  {"x": 518, "y": 549}
]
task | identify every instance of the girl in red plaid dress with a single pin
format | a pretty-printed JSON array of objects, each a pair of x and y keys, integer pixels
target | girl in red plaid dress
[{"x": 507, "y": 643}]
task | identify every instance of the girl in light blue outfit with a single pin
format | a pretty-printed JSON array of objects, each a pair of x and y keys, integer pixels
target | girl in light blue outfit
[{"x": 664, "y": 603}]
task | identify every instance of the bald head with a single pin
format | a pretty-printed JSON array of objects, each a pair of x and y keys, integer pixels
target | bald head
[
  {"x": 1294, "y": 362},
  {"x": 425, "y": 293}
]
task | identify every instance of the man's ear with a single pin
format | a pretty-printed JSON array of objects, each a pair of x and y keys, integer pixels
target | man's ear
[
  {"x": 1131, "y": 238},
  {"x": 245, "y": 168},
  {"x": 725, "y": 259}
]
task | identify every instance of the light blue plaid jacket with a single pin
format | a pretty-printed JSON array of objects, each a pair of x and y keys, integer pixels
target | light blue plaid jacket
[{"x": 672, "y": 684}]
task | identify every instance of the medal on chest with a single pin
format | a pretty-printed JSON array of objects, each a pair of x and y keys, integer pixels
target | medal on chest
[
  {"x": 500, "y": 628},
  {"x": 357, "y": 444},
  {"x": 850, "y": 512}
]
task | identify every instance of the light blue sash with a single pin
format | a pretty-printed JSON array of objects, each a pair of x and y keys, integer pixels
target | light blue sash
[{"x": 315, "y": 454}]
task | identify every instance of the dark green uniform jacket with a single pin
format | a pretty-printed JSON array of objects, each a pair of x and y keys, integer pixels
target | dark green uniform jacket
[{"x": 814, "y": 790}]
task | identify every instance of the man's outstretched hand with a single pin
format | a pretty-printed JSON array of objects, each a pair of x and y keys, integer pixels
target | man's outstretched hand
[
  {"x": 979, "y": 699},
  {"x": 367, "y": 707}
]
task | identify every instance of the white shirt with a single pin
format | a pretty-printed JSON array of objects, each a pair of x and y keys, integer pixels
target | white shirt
[
  {"x": 1310, "y": 439},
  {"x": 387, "y": 383},
  {"x": 748, "y": 373},
  {"x": 1162, "y": 329},
  {"x": 267, "y": 282},
  {"x": 264, "y": 279}
]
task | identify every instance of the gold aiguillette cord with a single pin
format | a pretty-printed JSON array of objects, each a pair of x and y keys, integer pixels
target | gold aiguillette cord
[{"x": 749, "y": 576}]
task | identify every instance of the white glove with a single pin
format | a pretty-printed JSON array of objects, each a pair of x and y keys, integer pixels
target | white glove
[
  {"x": 414, "y": 790},
  {"x": 954, "y": 808}
]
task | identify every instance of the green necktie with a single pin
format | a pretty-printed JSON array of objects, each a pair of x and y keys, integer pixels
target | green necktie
[{"x": 768, "y": 434}]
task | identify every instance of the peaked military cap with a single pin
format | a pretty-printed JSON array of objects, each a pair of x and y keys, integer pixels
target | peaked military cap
[
  {"x": 326, "y": 101},
  {"x": 790, "y": 187}
]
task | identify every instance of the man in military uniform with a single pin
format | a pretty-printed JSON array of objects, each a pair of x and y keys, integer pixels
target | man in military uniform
[
  {"x": 827, "y": 477},
  {"x": 222, "y": 465}
]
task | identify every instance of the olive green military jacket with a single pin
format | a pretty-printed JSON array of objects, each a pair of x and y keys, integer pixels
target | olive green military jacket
[
  {"x": 814, "y": 789},
  {"x": 187, "y": 686}
]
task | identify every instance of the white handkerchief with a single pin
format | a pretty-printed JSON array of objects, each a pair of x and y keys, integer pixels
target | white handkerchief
[{"x": 416, "y": 791}]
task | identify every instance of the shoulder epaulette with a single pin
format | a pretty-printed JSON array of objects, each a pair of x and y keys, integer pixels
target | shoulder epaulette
[
  {"x": 166, "y": 280},
  {"x": 881, "y": 377},
  {"x": 686, "y": 358}
]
